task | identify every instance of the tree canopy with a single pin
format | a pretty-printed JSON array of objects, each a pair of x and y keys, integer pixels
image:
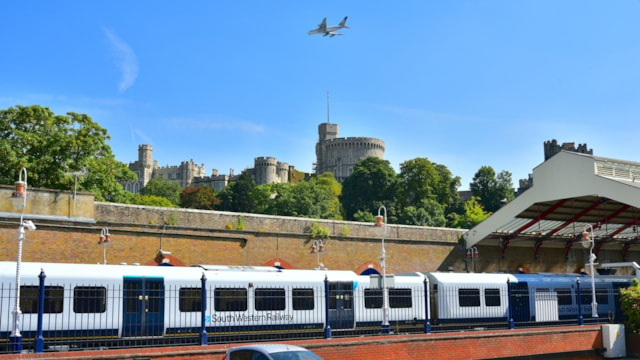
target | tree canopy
[
  {"x": 164, "y": 188},
  {"x": 492, "y": 191},
  {"x": 371, "y": 185},
  {"x": 55, "y": 147}
]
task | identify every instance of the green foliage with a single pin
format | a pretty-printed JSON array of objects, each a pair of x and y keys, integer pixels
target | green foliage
[
  {"x": 427, "y": 213},
  {"x": 492, "y": 191},
  {"x": 425, "y": 191},
  {"x": 364, "y": 216},
  {"x": 203, "y": 198},
  {"x": 237, "y": 196},
  {"x": 162, "y": 187},
  {"x": 371, "y": 185},
  {"x": 240, "y": 225},
  {"x": 152, "y": 200},
  {"x": 630, "y": 304},
  {"x": 318, "y": 231},
  {"x": 345, "y": 230},
  {"x": 473, "y": 215},
  {"x": 315, "y": 198},
  {"x": 172, "y": 219},
  {"x": 51, "y": 147}
]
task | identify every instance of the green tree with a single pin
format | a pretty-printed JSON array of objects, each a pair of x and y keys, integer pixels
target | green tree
[
  {"x": 310, "y": 199},
  {"x": 237, "y": 196},
  {"x": 162, "y": 187},
  {"x": 425, "y": 192},
  {"x": 492, "y": 191},
  {"x": 52, "y": 147},
  {"x": 203, "y": 198},
  {"x": 371, "y": 185},
  {"x": 427, "y": 212},
  {"x": 473, "y": 215}
]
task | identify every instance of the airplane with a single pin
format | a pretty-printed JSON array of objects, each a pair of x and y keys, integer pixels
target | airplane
[{"x": 329, "y": 30}]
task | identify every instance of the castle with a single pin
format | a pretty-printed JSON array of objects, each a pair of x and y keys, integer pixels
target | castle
[
  {"x": 339, "y": 155},
  {"x": 333, "y": 154}
]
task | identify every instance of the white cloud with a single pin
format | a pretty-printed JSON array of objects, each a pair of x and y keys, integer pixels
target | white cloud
[{"x": 126, "y": 60}]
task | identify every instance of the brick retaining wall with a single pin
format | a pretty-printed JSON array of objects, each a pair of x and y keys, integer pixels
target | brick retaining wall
[{"x": 456, "y": 346}]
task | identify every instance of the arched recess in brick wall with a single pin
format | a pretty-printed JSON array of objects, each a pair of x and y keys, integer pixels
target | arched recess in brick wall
[
  {"x": 368, "y": 268},
  {"x": 165, "y": 259},
  {"x": 279, "y": 263}
]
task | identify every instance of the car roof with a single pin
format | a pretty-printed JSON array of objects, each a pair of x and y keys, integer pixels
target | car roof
[{"x": 269, "y": 348}]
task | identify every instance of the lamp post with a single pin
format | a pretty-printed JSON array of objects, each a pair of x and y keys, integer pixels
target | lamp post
[
  {"x": 20, "y": 202},
  {"x": 472, "y": 254},
  {"x": 588, "y": 240},
  {"x": 318, "y": 248},
  {"x": 382, "y": 221},
  {"x": 105, "y": 240}
]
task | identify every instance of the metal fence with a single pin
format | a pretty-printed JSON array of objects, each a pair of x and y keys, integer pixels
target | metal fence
[{"x": 62, "y": 317}]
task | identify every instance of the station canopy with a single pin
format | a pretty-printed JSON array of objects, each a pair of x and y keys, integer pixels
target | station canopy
[{"x": 572, "y": 193}]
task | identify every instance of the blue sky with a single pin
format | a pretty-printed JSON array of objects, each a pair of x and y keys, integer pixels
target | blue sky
[{"x": 462, "y": 83}]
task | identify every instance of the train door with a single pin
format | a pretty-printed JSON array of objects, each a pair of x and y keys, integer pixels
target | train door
[
  {"x": 143, "y": 307},
  {"x": 521, "y": 310},
  {"x": 341, "y": 305}
]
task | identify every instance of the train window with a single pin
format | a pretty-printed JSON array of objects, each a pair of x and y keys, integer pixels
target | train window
[
  {"x": 341, "y": 295},
  {"x": 269, "y": 299},
  {"x": 564, "y": 296},
  {"x": 53, "y": 299},
  {"x": 602, "y": 296},
  {"x": 400, "y": 298},
  {"x": 89, "y": 299},
  {"x": 303, "y": 299},
  {"x": 492, "y": 297},
  {"x": 469, "y": 297},
  {"x": 131, "y": 291},
  {"x": 190, "y": 299},
  {"x": 373, "y": 298},
  {"x": 230, "y": 299},
  {"x": 585, "y": 296}
]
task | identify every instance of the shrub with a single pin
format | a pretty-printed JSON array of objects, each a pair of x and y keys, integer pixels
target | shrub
[{"x": 630, "y": 304}]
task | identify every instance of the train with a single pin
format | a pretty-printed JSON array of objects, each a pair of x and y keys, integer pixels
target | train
[{"x": 87, "y": 305}]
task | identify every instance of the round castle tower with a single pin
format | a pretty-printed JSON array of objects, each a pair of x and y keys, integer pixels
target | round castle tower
[
  {"x": 268, "y": 170},
  {"x": 339, "y": 155}
]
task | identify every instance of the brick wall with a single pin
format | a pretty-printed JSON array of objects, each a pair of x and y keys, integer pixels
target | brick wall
[
  {"x": 456, "y": 346},
  {"x": 214, "y": 237}
]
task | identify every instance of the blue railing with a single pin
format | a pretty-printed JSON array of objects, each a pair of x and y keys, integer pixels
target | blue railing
[{"x": 59, "y": 317}]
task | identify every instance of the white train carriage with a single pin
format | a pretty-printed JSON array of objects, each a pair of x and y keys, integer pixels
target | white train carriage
[
  {"x": 270, "y": 299},
  {"x": 102, "y": 302},
  {"x": 463, "y": 297},
  {"x": 406, "y": 296},
  {"x": 92, "y": 301},
  {"x": 551, "y": 297}
]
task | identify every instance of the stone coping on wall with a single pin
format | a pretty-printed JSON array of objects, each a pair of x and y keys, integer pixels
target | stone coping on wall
[{"x": 154, "y": 218}]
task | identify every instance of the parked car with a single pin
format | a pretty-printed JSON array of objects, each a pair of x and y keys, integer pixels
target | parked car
[{"x": 270, "y": 352}]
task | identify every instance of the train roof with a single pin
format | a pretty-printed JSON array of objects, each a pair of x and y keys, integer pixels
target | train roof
[
  {"x": 92, "y": 272},
  {"x": 464, "y": 278},
  {"x": 96, "y": 272},
  {"x": 557, "y": 277}
]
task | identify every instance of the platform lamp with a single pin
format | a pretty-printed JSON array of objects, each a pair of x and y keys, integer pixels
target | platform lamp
[
  {"x": 19, "y": 198},
  {"x": 318, "y": 248},
  {"x": 105, "y": 240},
  {"x": 472, "y": 254},
  {"x": 382, "y": 222},
  {"x": 588, "y": 241}
]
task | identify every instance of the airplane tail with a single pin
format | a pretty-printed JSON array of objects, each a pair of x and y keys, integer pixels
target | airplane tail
[{"x": 343, "y": 23}]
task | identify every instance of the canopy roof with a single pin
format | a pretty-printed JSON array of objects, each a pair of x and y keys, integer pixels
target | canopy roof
[{"x": 571, "y": 193}]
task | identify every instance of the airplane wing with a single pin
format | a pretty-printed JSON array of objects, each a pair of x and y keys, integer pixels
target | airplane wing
[
  {"x": 321, "y": 29},
  {"x": 323, "y": 25},
  {"x": 332, "y": 34}
]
